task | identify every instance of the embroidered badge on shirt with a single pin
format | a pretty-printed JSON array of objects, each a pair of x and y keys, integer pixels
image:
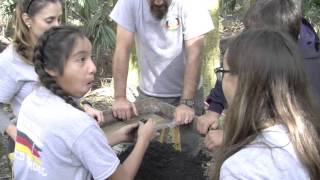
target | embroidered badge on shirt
[{"x": 172, "y": 23}]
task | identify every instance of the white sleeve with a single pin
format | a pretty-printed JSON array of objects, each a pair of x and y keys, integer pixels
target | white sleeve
[
  {"x": 8, "y": 86},
  {"x": 93, "y": 150},
  {"x": 196, "y": 19},
  {"x": 123, "y": 14}
]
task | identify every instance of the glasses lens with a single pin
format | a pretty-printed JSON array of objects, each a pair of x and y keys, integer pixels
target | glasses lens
[{"x": 219, "y": 75}]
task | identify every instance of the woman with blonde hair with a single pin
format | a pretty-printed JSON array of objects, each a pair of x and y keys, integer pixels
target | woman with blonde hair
[
  {"x": 271, "y": 124},
  {"x": 17, "y": 75}
]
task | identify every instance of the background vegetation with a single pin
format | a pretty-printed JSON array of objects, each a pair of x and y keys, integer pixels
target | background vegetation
[{"x": 92, "y": 16}]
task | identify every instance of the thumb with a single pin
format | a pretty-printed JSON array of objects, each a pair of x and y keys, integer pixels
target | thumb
[{"x": 134, "y": 109}]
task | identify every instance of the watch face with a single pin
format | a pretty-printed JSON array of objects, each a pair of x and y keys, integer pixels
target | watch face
[{"x": 188, "y": 102}]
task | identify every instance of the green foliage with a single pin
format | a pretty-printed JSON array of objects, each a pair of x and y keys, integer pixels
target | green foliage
[
  {"x": 312, "y": 13},
  {"x": 7, "y": 8},
  {"x": 92, "y": 15}
]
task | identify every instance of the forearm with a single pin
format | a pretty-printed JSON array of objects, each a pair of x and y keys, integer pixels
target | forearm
[
  {"x": 114, "y": 139},
  {"x": 120, "y": 67},
  {"x": 120, "y": 74},
  {"x": 193, "y": 68},
  {"x": 132, "y": 163}
]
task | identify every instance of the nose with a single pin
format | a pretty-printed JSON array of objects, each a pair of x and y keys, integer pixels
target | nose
[
  {"x": 92, "y": 67},
  {"x": 158, "y": 2},
  {"x": 56, "y": 23}
]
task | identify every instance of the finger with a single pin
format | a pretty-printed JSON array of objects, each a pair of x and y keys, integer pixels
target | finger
[
  {"x": 134, "y": 125},
  {"x": 175, "y": 115},
  {"x": 180, "y": 119},
  {"x": 101, "y": 117},
  {"x": 127, "y": 115},
  {"x": 135, "y": 112},
  {"x": 122, "y": 115},
  {"x": 189, "y": 118},
  {"x": 115, "y": 113},
  {"x": 209, "y": 146}
]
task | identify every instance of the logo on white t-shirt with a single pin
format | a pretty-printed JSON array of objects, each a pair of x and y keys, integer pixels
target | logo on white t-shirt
[{"x": 172, "y": 23}]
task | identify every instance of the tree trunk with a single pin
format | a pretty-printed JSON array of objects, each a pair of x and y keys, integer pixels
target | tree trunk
[{"x": 211, "y": 52}]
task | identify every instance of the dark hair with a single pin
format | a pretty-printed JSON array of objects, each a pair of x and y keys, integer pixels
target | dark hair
[
  {"x": 272, "y": 89},
  {"x": 283, "y": 15},
  {"x": 51, "y": 52},
  {"x": 21, "y": 39}
]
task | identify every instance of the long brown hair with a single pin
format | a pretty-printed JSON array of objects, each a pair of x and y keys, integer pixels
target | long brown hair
[
  {"x": 272, "y": 89},
  {"x": 21, "y": 39}
]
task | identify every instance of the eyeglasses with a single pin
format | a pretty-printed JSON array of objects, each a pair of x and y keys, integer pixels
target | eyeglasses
[
  {"x": 219, "y": 72},
  {"x": 30, "y": 2}
]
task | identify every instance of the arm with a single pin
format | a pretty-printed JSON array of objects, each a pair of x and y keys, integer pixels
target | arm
[
  {"x": 122, "y": 108},
  {"x": 216, "y": 101},
  {"x": 216, "y": 98},
  {"x": 193, "y": 66},
  {"x": 101, "y": 160},
  {"x": 131, "y": 165},
  {"x": 185, "y": 114}
]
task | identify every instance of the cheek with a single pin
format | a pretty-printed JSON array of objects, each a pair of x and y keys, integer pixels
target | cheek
[
  {"x": 39, "y": 28},
  {"x": 229, "y": 86}
]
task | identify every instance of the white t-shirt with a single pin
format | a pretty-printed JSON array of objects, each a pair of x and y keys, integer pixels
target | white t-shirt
[
  {"x": 256, "y": 161},
  {"x": 17, "y": 78},
  {"x": 57, "y": 141},
  {"x": 160, "y": 44}
]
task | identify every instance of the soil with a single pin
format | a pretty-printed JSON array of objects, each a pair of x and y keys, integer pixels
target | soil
[{"x": 163, "y": 162}]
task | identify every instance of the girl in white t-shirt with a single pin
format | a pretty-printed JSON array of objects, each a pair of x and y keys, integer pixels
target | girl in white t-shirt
[
  {"x": 17, "y": 76},
  {"x": 56, "y": 139},
  {"x": 270, "y": 129}
]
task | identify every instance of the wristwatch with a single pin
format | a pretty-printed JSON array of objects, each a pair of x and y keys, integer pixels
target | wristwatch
[{"x": 187, "y": 102}]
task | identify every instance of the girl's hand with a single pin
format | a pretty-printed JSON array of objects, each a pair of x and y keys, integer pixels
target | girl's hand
[
  {"x": 96, "y": 114},
  {"x": 11, "y": 130},
  {"x": 128, "y": 133},
  {"x": 147, "y": 131}
]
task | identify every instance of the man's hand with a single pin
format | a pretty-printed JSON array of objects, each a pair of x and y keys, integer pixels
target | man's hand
[
  {"x": 11, "y": 130},
  {"x": 123, "y": 109},
  {"x": 95, "y": 113},
  {"x": 213, "y": 139},
  {"x": 184, "y": 114},
  {"x": 206, "y": 121}
]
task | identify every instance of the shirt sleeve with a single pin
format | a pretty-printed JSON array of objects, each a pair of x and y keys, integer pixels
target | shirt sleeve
[
  {"x": 123, "y": 14},
  {"x": 196, "y": 19},
  {"x": 92, "y": 149},
  {"x": 237, "y": 169},
  {"x": 8, "y": 86},
  {"x": 216, "y": 99}
]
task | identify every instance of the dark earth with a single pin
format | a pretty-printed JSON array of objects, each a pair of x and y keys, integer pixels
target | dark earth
[{"x": 163, "y": 162}]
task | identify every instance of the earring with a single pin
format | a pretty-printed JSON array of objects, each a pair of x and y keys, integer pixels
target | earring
[{"x": 28, "y": 26}]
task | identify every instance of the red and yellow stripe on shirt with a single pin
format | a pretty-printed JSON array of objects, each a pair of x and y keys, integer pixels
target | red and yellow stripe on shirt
[{"x": 25, "y": 145}]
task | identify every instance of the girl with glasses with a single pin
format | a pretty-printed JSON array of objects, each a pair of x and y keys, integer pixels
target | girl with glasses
[{"x": 270, "y": 129}]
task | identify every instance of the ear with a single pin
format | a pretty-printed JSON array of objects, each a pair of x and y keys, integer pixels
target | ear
[
  {"x": 51, "y": 72},
  {"x": 26, "y": 19}
]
